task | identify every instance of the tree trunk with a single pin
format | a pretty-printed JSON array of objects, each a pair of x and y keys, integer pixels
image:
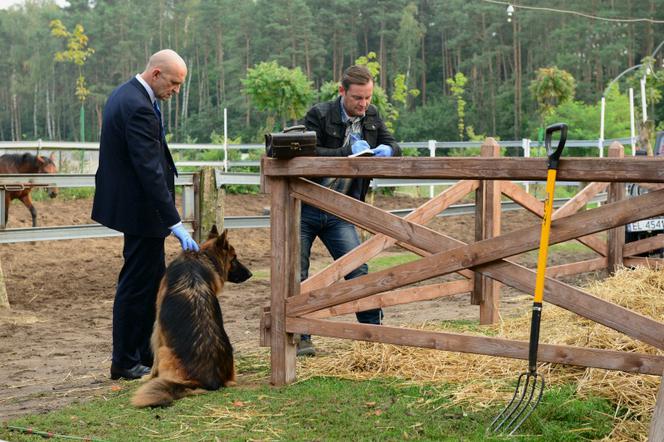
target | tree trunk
[
  {"x": 35, "y": 133},
  {"x": 382, "y": 57},
  {"x": 423, "y": 91}
]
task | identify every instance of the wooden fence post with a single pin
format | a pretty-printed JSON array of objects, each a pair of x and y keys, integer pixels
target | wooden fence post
[
  {"x": 4, "y": 299},
  {"x": 486, "y": 291},
  {"x": 284, "y": 277},
  {"x": 616, "y": 236},
  {"x": 211, "y": 204},
  {"x": 656, "y": 432}
]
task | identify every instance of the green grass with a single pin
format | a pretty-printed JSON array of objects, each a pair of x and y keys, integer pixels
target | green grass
[
  {"x": 320, "y": 408},
  {"x": 66, "y": 193},
  {"x": 385, "y": 262}
]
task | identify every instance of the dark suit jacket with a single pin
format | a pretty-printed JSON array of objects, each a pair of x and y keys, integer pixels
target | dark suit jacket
[
  {"x": 135, "y": 181},
  {"x": 325, "y": 120}
]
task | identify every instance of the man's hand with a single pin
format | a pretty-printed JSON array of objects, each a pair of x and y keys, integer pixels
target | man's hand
[
  {"x": 186, "y": 240},
  {"x": 383, "y": 150},
  {"x": 359, "y": 146}
]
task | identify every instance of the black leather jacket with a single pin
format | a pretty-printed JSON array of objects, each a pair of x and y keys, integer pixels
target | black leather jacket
[{"x": 325, "y": 120}]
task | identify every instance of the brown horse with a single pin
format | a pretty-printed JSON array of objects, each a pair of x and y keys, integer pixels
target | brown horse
[{"x": 26, "y": 163}]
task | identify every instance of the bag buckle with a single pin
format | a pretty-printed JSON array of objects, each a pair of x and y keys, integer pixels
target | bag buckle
[{"x": 294, "y": 145}]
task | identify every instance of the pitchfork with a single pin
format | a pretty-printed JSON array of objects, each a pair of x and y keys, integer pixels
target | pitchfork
[{"x": 530, "y": 385}]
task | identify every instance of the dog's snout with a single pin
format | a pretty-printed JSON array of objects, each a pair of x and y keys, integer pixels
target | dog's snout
[{"x": 238, "y": 272}]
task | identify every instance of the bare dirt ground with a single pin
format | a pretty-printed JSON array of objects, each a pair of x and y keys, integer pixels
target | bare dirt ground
[{"x": 55, "y": 341}]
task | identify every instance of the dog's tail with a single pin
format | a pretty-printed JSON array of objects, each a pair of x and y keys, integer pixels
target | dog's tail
[{"x": 160, "y": 392}]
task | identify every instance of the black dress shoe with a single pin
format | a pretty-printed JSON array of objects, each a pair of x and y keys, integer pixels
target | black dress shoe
[{"x": 135, "y": 372}]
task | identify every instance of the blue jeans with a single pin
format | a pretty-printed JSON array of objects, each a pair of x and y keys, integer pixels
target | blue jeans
[{"x": 339, "y": 237}]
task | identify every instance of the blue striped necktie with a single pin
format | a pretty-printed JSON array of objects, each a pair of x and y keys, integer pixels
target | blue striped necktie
[{"x": 157, "y": 111}]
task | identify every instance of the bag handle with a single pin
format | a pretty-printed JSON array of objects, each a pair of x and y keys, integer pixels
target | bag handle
[{"x": 299, "y": 127}]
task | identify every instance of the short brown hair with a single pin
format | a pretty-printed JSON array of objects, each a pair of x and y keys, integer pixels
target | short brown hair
[{"x": 357, "y": 74}]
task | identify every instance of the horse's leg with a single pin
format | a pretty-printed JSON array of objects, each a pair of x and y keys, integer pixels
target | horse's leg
[
  {"x": 8, "y": 199},
  {"x": 27, "y": 200}
]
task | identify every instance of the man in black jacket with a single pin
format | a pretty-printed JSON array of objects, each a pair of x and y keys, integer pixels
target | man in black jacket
[
  {"x": 347, "y": 125},
  {"x": 135, "y": 194}
]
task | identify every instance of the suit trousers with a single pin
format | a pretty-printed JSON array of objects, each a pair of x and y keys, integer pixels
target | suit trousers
[{"x": 134, "y": 309}]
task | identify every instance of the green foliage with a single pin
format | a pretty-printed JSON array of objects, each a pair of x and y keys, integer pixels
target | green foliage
[
  {"x": 77, "y": 52},
  {"x": 401, "y": 92},
  {"x": 457, "y": 87},
  {"x": 282, "y": 92},
  {"x": 328, "y": 91},
  {"x": 423, "y": 41},
  {"x": 370, "y": 62},
  {"x": 552, "y": 87},
  {"x": 584, "y": 120},
  {"x": 434, "y": 121}
]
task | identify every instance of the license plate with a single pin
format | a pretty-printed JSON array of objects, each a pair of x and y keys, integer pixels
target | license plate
[{"x": 646, "y": 225}]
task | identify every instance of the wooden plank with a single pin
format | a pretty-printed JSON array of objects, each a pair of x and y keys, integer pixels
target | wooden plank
[
  {"x": 4, "y": 299},
  {"x": 397, "y": 297},
  {"x": 656, "y": 432},
  {"x": 584, "y": 304},
  {"x": 580, "y": 200},
  {"x": 644, "y": 245},
  {"x": 486, "y": 292},
  {"x": 282, "y": 271},
  {"x": 519, "y": 195},
  {"x": 265, "y": 324},
  {"x": 616, "y": 236},
  {"x": 570, "y": 298},
  {"x": 513, "y": 243},
  {"x": 651, "y": 186},
  {"x": 570, "y": 169},
  {"x": 536, "y": 207},
  {"x": 653, "y": 263},
  {"x": 560, "y": 354},
  {"x": 575, "y": 268},
  {"x": 376, "y": 244}
]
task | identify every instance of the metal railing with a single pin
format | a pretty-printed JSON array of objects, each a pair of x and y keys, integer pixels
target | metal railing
[
  {"x": 11, "y": 235},
  {"x": 186, "y": 180}
]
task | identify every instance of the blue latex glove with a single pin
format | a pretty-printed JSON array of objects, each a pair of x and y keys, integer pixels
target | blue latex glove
[
  {"x": 186, "y": 240},
  {"x": 359, "y": 146},
  {"x": 383, "y": 150}
]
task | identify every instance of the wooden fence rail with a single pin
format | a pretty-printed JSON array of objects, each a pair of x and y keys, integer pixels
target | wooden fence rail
[{"x": 309, "y": 307}]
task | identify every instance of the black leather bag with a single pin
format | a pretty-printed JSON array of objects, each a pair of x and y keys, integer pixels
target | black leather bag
[{"x": 294, "y": 141}]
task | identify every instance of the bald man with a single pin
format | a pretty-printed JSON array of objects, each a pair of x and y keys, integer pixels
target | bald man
[{"x": 135, "y": 195}]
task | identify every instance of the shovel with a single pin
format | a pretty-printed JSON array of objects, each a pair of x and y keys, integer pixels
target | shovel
[{"x": 530, "y": 385}]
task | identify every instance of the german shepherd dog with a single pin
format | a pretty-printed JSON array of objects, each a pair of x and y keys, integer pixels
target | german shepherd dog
[{"x": 192, "y": 352}]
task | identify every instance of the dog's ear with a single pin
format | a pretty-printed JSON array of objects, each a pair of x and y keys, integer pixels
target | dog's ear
[
  {"x": 222, "y": 240},
  {"x": 213, "y": 232}
]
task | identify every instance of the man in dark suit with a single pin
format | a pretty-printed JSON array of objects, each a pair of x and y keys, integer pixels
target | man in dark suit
[{"x": 135, "y": 194}]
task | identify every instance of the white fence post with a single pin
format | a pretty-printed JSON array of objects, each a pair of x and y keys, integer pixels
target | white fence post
[
  {"x": 600, "y": 142},
  {"x": 225, "y": 141},
  {"x": 632, "y": 133},
  {"x": 432, "y": 154},
  {"x": 525, "y": 143}
]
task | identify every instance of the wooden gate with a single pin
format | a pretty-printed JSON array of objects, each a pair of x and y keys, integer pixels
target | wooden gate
[{"x": 307, "y": 307}]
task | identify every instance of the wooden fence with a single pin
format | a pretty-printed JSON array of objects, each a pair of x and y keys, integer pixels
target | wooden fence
[{"x": 306, "y": 308}]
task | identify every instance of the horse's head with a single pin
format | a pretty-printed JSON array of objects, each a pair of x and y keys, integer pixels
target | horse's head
[{"x": 47, "y": 165}]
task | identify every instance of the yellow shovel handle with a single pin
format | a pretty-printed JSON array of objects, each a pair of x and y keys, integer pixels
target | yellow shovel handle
[{"x": 544, "y": 236}]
